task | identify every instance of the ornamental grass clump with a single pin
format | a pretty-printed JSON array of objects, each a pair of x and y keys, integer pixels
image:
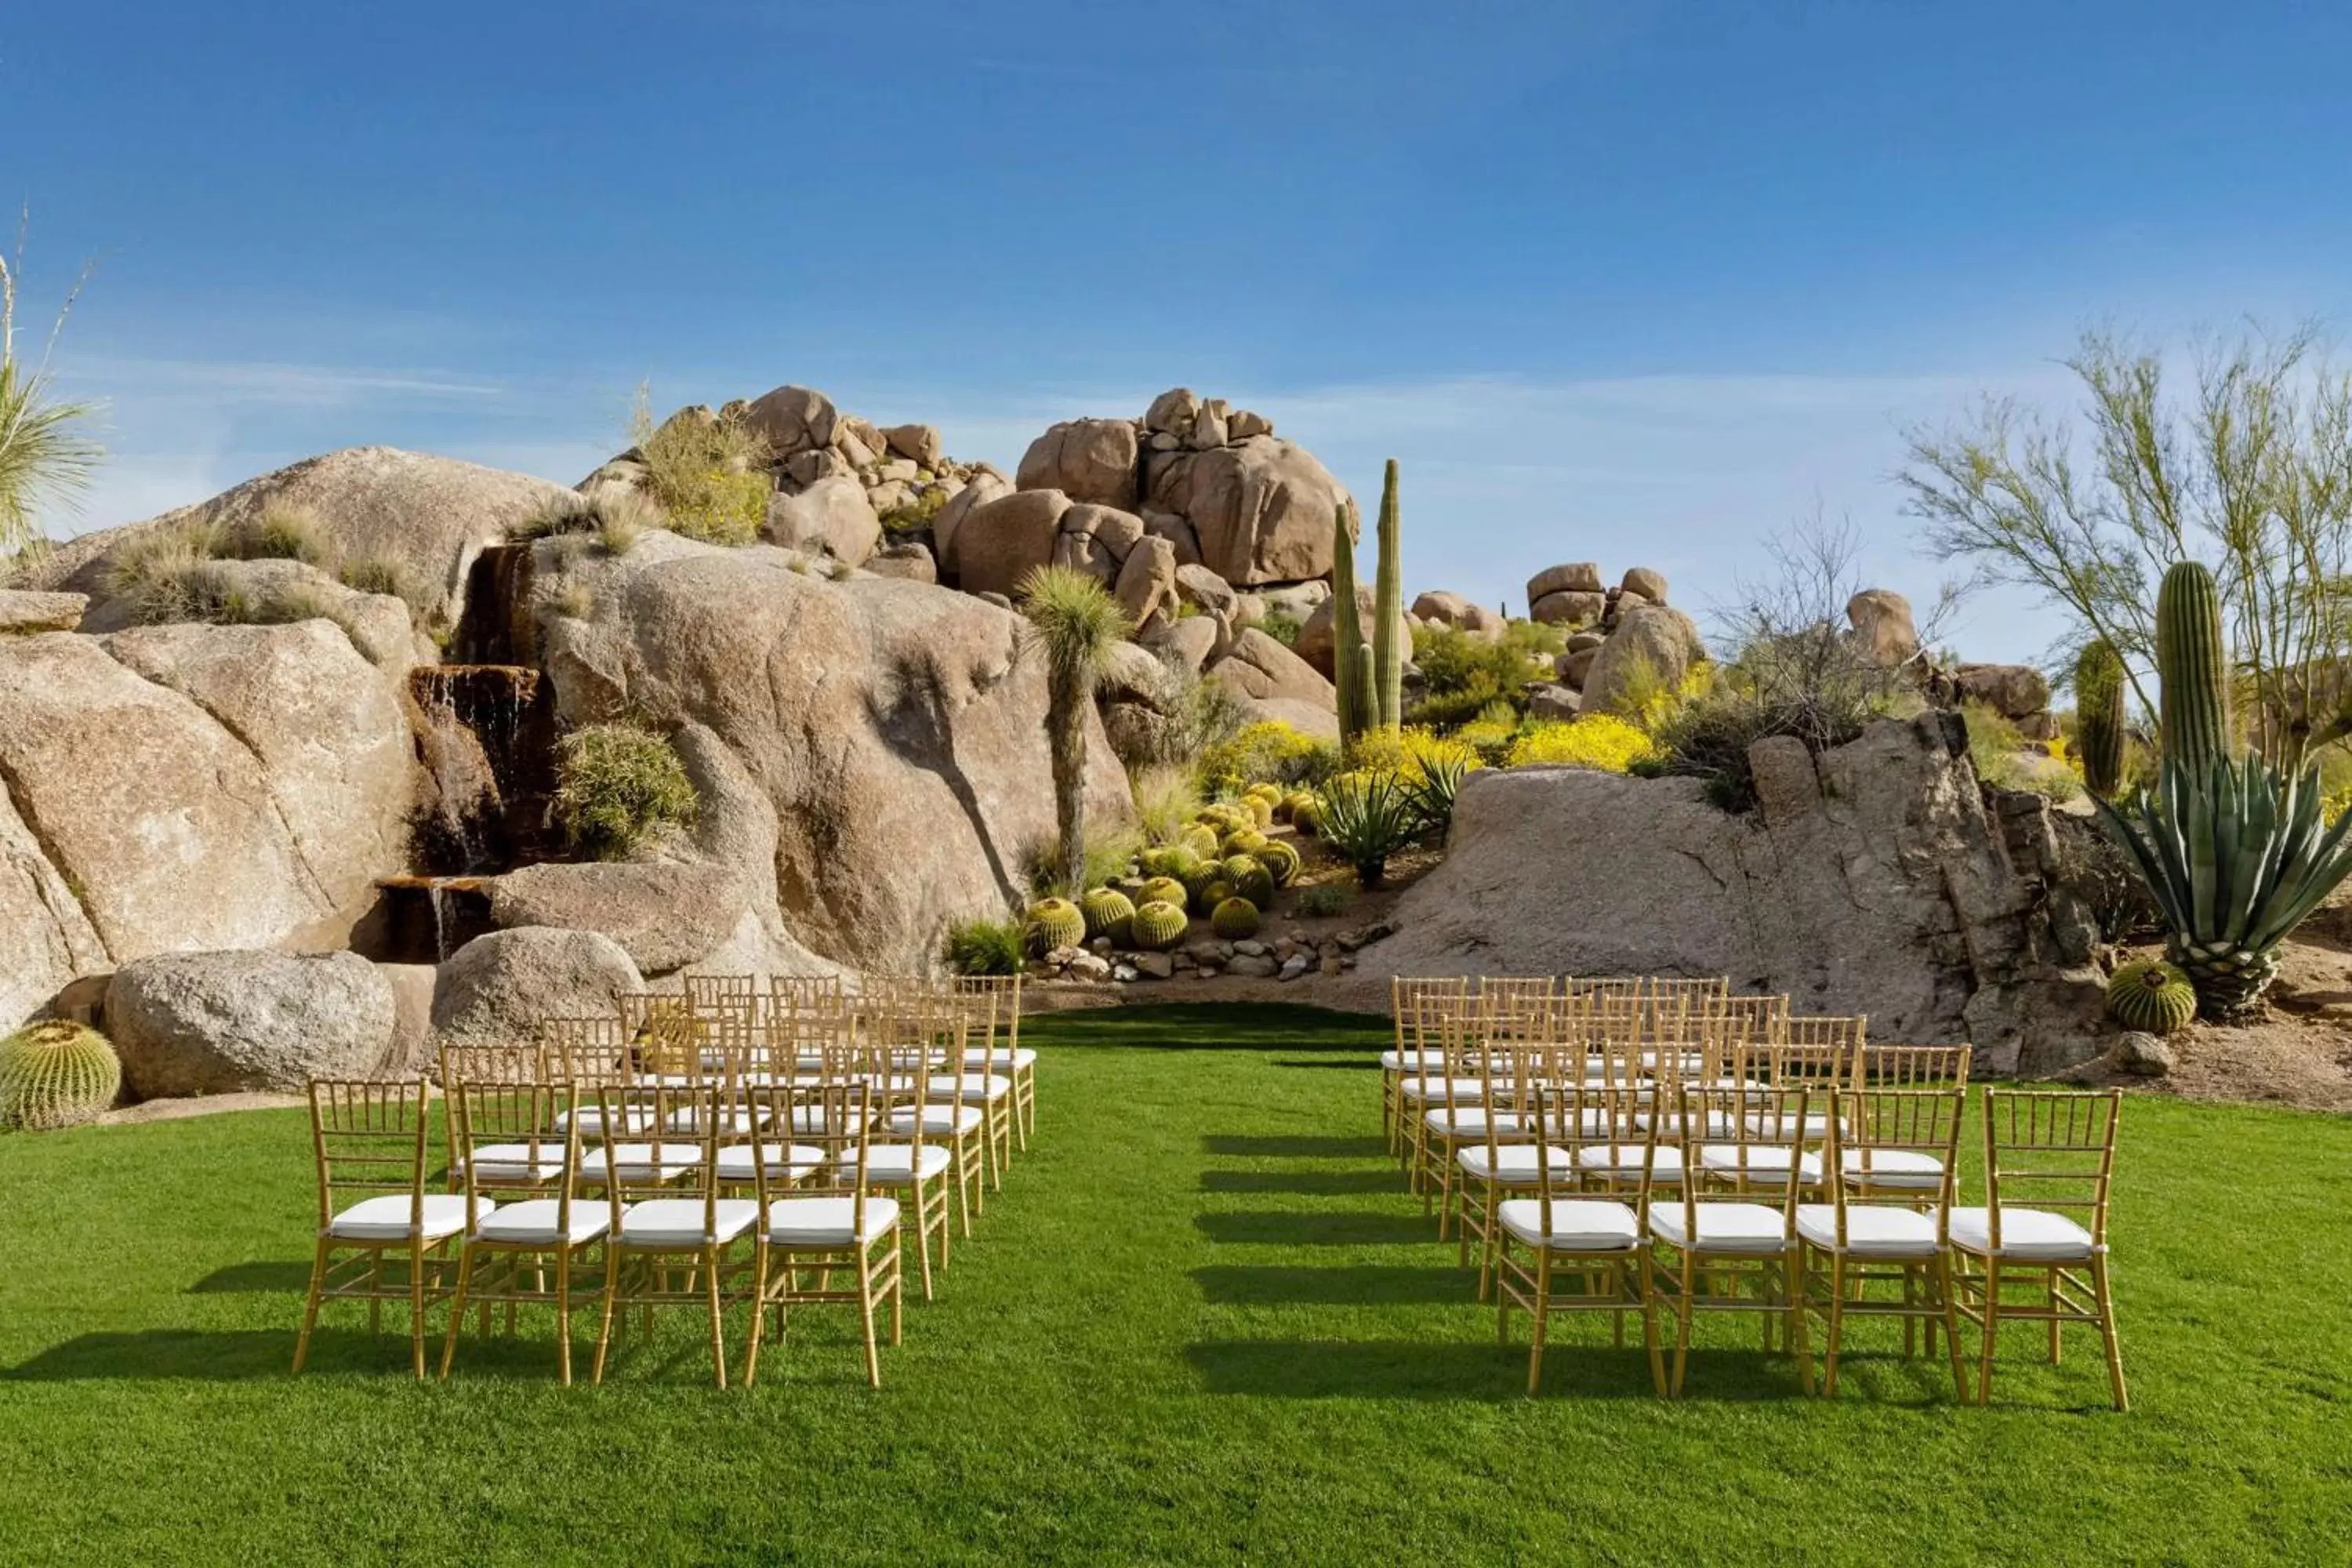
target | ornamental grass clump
[
  {"x": 983, "y": 946},
  {"x": 615, "y": 786}
]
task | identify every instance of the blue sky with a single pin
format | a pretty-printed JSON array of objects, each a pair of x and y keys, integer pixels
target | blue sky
[{"x": 1634, "y": 281}]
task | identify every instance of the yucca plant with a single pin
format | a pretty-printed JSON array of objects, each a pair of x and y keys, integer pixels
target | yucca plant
[
  {"x": 1074, "y": 623},
  {"x": 46, "y": 459},
  {"x": 1365, "y": 817}
]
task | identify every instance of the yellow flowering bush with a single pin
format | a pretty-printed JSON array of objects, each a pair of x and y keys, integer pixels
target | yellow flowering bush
[
  {"x": 1598, "y": 740},
  {"x": 1269, "y": 752}
]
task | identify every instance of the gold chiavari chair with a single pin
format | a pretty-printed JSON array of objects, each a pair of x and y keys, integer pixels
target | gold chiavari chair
[
  {"x": 1415, "y": 1004},
  {"x": 1670, "y": 1003},
  {"x": 671, "y": 1240},
  {"x": 1850, "y": 1034},
  {"x": 382, "y": 1237},
  {"x": 2054, "y": 1150},
  {"x": 1450, "y": 1109},
  {"x": 1505, "y": 991},
  {"x": 1001, "y": 1052},
  {"x": 1765, "y": 1017},
  {"x": 1890, "y": 1159},
  {"x": 521, "y": 1148},
  {"x": 1594, "y": 1242},
  {"x": 913, "y": 1167},
  {"x": 1505, "y": 1159},
  {"x": 713, "y": 991},
  {"x": 587, "y": 1053},
  {"x": 1913, "y": 1066},
  {"x": 460, "y": 1062},
  {"x": 1734, "y": 1253},
  {"x": 942, "y": 1112},
  {"x": 804, "y": 1236}
]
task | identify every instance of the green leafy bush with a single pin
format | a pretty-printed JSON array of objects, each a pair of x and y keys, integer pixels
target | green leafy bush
[
  {"x": 915, "y": 515},
  {"x": 1465, "y": 676},
  {"x": 1269, "y": 752},
  {"x": 707, "y": 471},
  {"x": 1282, "y": 628},
  {"x": 614, "y": 785},
  {"x": 1598, "y": 740},
  {"x": 983, "y": 946}
]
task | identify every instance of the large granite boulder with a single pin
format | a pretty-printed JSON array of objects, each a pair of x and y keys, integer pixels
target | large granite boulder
[
  {"x": 224, "y": 1023},
  {"x": 191, "y": 787},
  {"x": 1657, "y": 642},
  {"x": 1882, "y": 626},
  {"x": 425, "y": 517},
  {"x": 1085, "y": 459},
  {"x": 983, "y": 488},
  {"x": 1259, "y": 667},
  {"x": 23, "y": 611},
  {"x": 1871, "y": 879},
  {"x": 894, "y": 730},
  {"x": 832, "y": 515},
  {"x": 2012, "y": 691},
  {"x": 663, "y": 914},
  {"x": 1001, "y": 541},
  {"x": 792, "y": 419},
  {"x": 1316, "y": 643},
  {"x": 1260, "y": 510},
  {"x": 497, "y": 988}
]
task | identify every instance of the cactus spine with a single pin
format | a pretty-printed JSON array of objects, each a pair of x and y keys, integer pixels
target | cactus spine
[
  {"x": 1388, "y": 612},
  {"x": 1347, "y": 630},
  {"x": 2192, "y": 668},
  {"x": 2099, "y": 719}
]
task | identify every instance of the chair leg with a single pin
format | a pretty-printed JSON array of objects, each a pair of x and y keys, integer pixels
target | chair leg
[
  {"x": 718, "y": 1324},
  {"x": 311, "y": 1307},
  {"x": 1542, "y": 1314},
  {"x": 1683, "y": 1322},
  {"x": 1650, "y": 1325},
  {"x": 1944, "y": 1289},
  {"x": 563, "y": 1315},
  {"x": 922, "y": 1236},
  {"x": 2055, "y": 1326},
  {"x": 866, "y": 1313},
  {"x": 612, "y": 1295},
  {"x": 457, "y": 1309},
  {"x": 1992, "y": 1329},
  {"x": 760, "y": 1266},
  {"x": 2106, "y": 1305},
  {"x": 417, "y": 1311},
  {"x": 1800, "y": 1333},
  {"x": 1836, "y": 1326}
]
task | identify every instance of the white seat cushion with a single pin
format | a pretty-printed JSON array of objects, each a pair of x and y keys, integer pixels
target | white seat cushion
[
  {"x": 1625, "y": 1161},
  {"x": 1469, "y": 1122},
  {"x": 944, "y": 1120},
  {"x": 639, "y": 1162},
  {"x": 1670, "y": 1124},
  {"x": 979, "y": 1088},
  {"x": 1020, "y": 1057},
  {"x": 1466, "y": 1090},
  {"x": 678, "y": 1222},
  {"x": 1767, "y": 1125},
  {"x": 1577, "y": 1224},
  {"x": 1904, "y": 1170},
  {"x": 387, "y": 1218},
  {"x": 828, "y": 1222},
  {"x": 893, "y": 1164},
  {"x": 591, "y": 1121},
  {"x": 1746, "y": 1230},
  {"x": 2033, "y": 1234},
  {"x": 1767, "y": 1163},
  {"x": 809, "y": 1120},
  {"x": 533, "y": 1221},
  {"x": 1412, "y": 1061},
  {"x": 1871, "y": 1230},
  {"x": 498, "y": 1164},
  {"x": 739, "y": 1123},
  {"x": 1514, "y": 1164},
  {"x": 738, "y": 1162}
]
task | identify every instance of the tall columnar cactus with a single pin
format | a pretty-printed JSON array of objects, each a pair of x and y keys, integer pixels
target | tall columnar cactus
[
  {"x": 2191, "y": 663},
  {"x": 1347, "y": 630},
  {"x": 1388, "y": 612},
  {"x": 55, "y": 1074},
  {"x": 2099, "y": 718}
]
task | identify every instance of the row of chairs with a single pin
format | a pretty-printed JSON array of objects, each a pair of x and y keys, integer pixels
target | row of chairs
[
  {"x": 684, "y": 1151},
  {"x": 1683, "y": 1166}
]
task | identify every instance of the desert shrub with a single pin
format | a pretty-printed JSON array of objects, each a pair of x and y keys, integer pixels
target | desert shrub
[
  {"x": 163, "y": 575},
  {"x": 391, "y": 575},
  {"x": 707, "y": 471},
  {"x": 1323, "y": 900},
  {"x": 1110, "y": 854},
  {"x": 616, "y": 784},
  {"x": 1490, "y": 738},
  {"x": 1997, "y": 749},
  {"x": 1599, "y": 741},
  {"x": 286, "y": 533},
  {"x": 1165, "y": 802},
  {"x": 983, "y": 946},
  {"x": 1268, "y": 752},
  {"x": 1646, "y": 699},
  {"x": 1463, "y": 675},
  {"x": 616, "y": 515},
  {"x": 1188, "y": 718},
  {"x": 916, "y": 514},
  {"x": 1282, "y": 628}
]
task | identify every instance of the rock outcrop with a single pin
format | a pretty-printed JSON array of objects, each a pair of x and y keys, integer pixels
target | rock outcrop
[
  {"x": 1871, "y": 880},
  {"x": 497, "y": 988},
  {"x": 893, "y": 730},
  {"x": 224, "y": 1023}
]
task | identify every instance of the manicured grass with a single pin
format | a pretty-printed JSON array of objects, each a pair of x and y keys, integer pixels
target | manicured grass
[{"x": 1201, "y": 1324}]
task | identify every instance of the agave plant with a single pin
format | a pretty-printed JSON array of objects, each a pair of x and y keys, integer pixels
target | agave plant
[
  {"x": 1365, "y": 817},
  {"x": 2237, "y": 855}
]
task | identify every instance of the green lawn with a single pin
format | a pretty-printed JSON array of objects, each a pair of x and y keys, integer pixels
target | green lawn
[{"x": 1203, "y": 1323}]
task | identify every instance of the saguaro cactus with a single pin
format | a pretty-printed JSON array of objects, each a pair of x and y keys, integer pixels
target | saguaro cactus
[
  {"x": 2099, "y": 718},
  {"x": 1388, "y": 612},
  {"x": 1347, "y": 631},
  {"x": 2193, "y": 668}
]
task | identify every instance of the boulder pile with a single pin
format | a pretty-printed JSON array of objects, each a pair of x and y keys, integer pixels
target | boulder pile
[{"x": 1620, "y": 639}]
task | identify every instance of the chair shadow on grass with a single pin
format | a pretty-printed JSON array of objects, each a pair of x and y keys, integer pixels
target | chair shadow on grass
[
  {"x": 1585, "y": 1367},
  {"x": 258, "y": 1277},
  {"x": 1319, "y": 1184},
  {"x": 1288, "y": 1227},
  {"x": 1361, "y": 1285},
  {"x": 219, "y": 1355},
  {"x": 1316, "y": 1146}
]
